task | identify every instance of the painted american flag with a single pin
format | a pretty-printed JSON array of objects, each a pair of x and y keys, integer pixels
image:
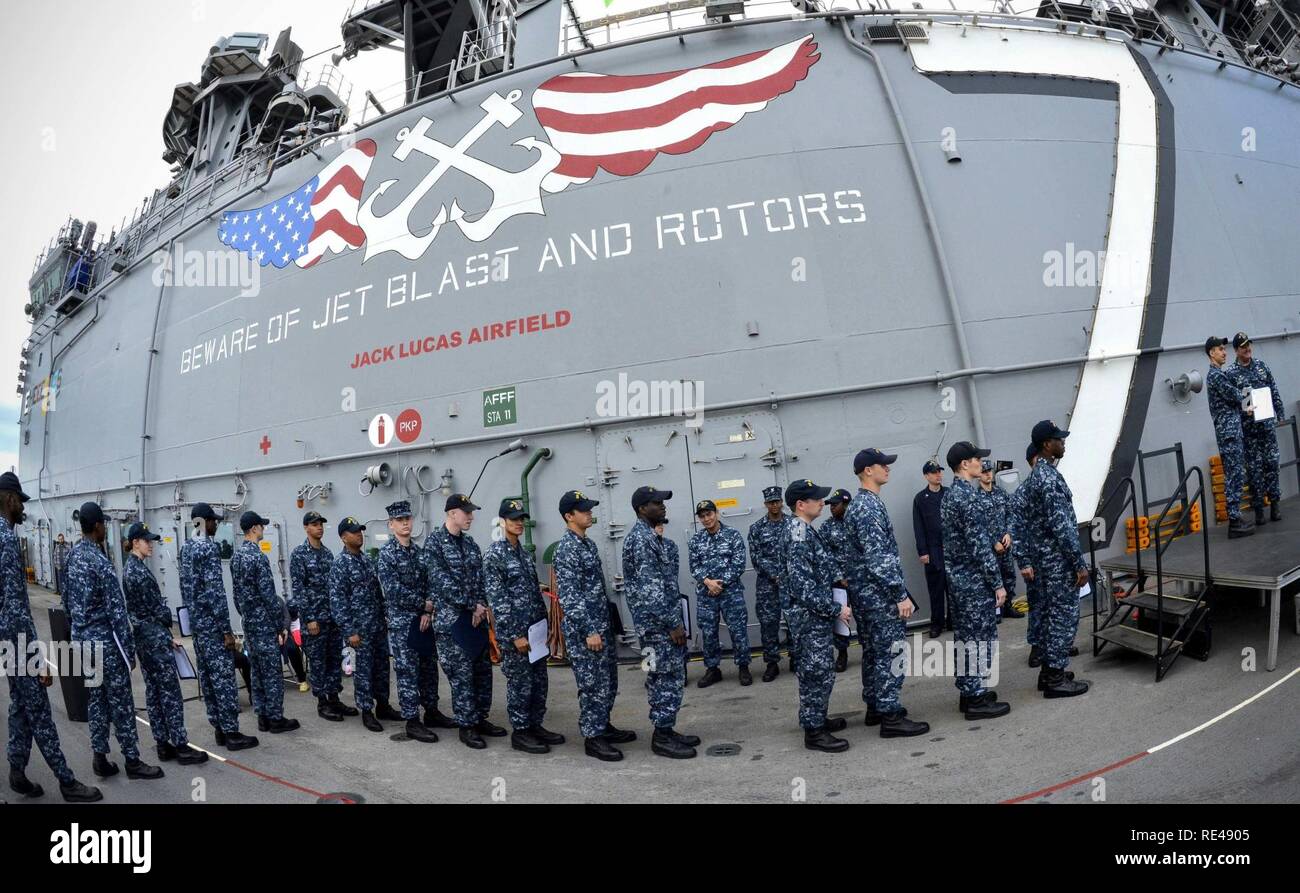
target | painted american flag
[
  {"x": 620, "y": 123},
  {"x": 316, "y": 219}
]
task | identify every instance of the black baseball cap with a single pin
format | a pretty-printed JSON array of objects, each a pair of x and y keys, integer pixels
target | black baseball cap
[
  {"x": 9, "y": 481},
  {"x": 705, "y": 505},
  {"x": 840, "y": 495},
  {"x": 1214, "y": 341},
  {"x": 1241, "y": 339},
  {"x": 351, "y": 525},
  {"x": 772, "y": 494},
  {"x": 203, "y": 510},
  {"x": 931, "y": 467},
  {"x": 962, "y": 450},
  {"x": 90, "y": 513},
  {"x": 512, "y": 509},
  {"x": 804, "y": 489},
  {"x": 250, "y": 519},
  {"x": 576, "y": 501},
  {"x": 141, "y": 531},
  {"x": 647, "y": 495},
  {"x": 312, "y": 518},
  {"x": 1046, "y": 430},
  {"x": 871, "y": 456},
  {"x": 460, "y": 501}
]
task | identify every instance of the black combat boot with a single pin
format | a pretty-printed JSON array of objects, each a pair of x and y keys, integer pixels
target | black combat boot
[
  {"x": 416, "y": 731},
  {"x": 188, "y": 756},
  {"x": 283, "y": 724},
  {"x": 141, "y": 770},
  {"x": 1045, "y": 672},
  {"x": 435, "y": 719},
  {"x": 76, "y": 792},
  {"x": 21, "y": 785},
  {"x": 101, "y": 766},
  {"x": 237, "y": 741},
  {"x": 340, "y": 708},
  {"x": 263, "y": 724},
  {"x": 489, "y": 729},
  {"x": 963, "y": 702},
  {"x": 600, "y": 748},
  {"x": 1275, "y": 511},
  {"x": 711, "y": 675},
  {"x": 842, "y": 660},
  {"x": 1035, "y": 656},
  {"x": 820, "y": 739},
  {"x": 688, "y": 740},
  {"x": 665, "y": 745},
  {"x": 987, "y": 706},
  {"x": 1240, "y": 527},
  {"x": 325, "y": 710},
  {"x": 1259, "y": 515},
  {"x": 524, "y": 740},
  {"x": 385, "y": 711},
  {"x": 897, "y": 725},
  {"x": 772, "y": 671},
  {"x": 745, "y": 677},
  {"x": 835, "y": 724},
  {"x": 874, "y": 719},
  {"x": 368, "y": 720},
  {"x": 470, "y": 737},
  {"x": 618, "y": 736},
  {"x": 166, "y": 753},
  {"x": 1060, "y": 687},
  {"x": 792, "y": 663},
  {"x": 554, "y": 739}
]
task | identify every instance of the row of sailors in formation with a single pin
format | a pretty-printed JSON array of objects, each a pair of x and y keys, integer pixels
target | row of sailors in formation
[{"x": 424, "y": 608}]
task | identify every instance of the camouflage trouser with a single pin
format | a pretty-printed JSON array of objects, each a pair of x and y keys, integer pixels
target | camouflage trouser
[
  {"x": 665, "y": 677},
  {"x": 266, "y": 672},
  {"x": 816, "y": 666},
  {"x": 883, "y": 635},
  {"x": 1233, "y": 453},
  {"x": 30, "y": 719},
  {"x": 1262, "y": 460},
  {"x": 162, "y": 687},
  {"x": 526, "y": 686},
  {"x": 596, "y": 674},
  {"x": 1060, "y": 623},
  {"x": 731, "y": 607},
  {"x": 794, "y": 642},
  {"x": 370, "y": 673},
  {"x": 1007, "y": 565},
  {"x": 324, "y": 659},
  {"x": 112, "y": 702},
  {"x": 216, "y": 671},
  {"x": 470, "y": 680},
  {"x": 417, "y": 676},
  {"x": 767, "y": 605},
  {"x": 975, "y": 635},
  {"x": 1033, "y": 593}
]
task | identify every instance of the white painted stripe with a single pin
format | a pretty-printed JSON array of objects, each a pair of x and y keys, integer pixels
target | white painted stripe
[
  {"x": 1225, "y": 714},
  {"x": 649, "y": 138},
  {"x": 693, "y": 79},
  {"x": 193, "y": 746},
  {"x": 1104, "y": 389}
]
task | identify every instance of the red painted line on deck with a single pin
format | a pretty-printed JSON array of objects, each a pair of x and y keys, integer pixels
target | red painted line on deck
[
  {"x": 1073, "y": 781},
  {"x": 280, "y": 781}
]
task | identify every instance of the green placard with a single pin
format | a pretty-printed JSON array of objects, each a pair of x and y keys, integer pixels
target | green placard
[{"x": 499, "y": 407}]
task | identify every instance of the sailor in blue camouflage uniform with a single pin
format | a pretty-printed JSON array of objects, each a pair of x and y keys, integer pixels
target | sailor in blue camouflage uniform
[
  {"x": 309, "y": 604},
  {"x": 809, "y": 574},
  {"x": 265, "y": 624},
  {"x": 588, "y": 637},
  {"x": 835, "y": 536},
  {"x": 1224, "y": 401},
  {"x": 1023, "y": 554},
  {"x": 878, "y": 596},
  {"x": 357, "y": 607},
  {"x": 408, "y": 598},
  {"x": 656, "y": 611},
  {"x": 765, "y": 538},
  {"x": 456, "y": 573},
  {"x": 204, "y": 594},
  {"x": 30, "y": 718},
  {"x": 997, "y": 507},
  {"x": 515, "y": 597},
  {"x": 151, "y": 622},
  {"x": 975, "y": 582},
  {"x": 1061, "y": 571},
  {"x": 672, "y": 575},
  {"x": 1259, "y": 438},
  {"x": 717, "y": 558},
  {"x": 97, "y": 611}
]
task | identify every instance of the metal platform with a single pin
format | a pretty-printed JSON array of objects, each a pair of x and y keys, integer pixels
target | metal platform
[{"x": 1269, "y": 561}]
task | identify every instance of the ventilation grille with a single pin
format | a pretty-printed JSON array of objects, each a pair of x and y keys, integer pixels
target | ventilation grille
[{"x": 897, "y": 32}]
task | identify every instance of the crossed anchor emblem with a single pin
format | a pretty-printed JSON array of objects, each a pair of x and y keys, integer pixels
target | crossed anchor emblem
[{"x": 512, "y": 192}]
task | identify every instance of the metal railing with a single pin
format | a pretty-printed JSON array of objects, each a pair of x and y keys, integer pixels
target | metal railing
[{"x": 1130, "y": 502}]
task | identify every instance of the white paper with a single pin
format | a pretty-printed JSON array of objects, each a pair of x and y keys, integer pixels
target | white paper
[
  {"x": 1262, "y": 401},
  {"x": 841, "y": 599},
  {"x": 538, "y": 633},
  {"x": 121, "y": 650},
  {"x": 1085, "y": 590},
  {"x": 184, "y": 668},
  {"x": 686, "y": 616}
]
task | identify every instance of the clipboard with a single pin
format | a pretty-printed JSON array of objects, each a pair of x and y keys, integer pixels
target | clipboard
[
  {"x": 471, "y": 639},
  {"x": 538, "y": 647},
  {"x": 1261, "y": 400},
  {"x": 422, "y": 643},
  {"x": 183, "y": 621},
  {"x": 184, "y": 666},
  {"x": 686, "y": 616},
  {"x": 842, "y": 599}
]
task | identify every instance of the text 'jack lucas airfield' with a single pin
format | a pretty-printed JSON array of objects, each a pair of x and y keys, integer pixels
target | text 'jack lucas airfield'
[{"x": 526, "y": 325}]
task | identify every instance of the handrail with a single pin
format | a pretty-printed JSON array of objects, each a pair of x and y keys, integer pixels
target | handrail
[
  {"x": 1188, "y": 500},
  {"x": 1130, "y": 501}
]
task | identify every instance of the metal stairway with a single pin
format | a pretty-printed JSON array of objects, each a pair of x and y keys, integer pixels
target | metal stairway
[{"x": 1176, "y": 611}]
